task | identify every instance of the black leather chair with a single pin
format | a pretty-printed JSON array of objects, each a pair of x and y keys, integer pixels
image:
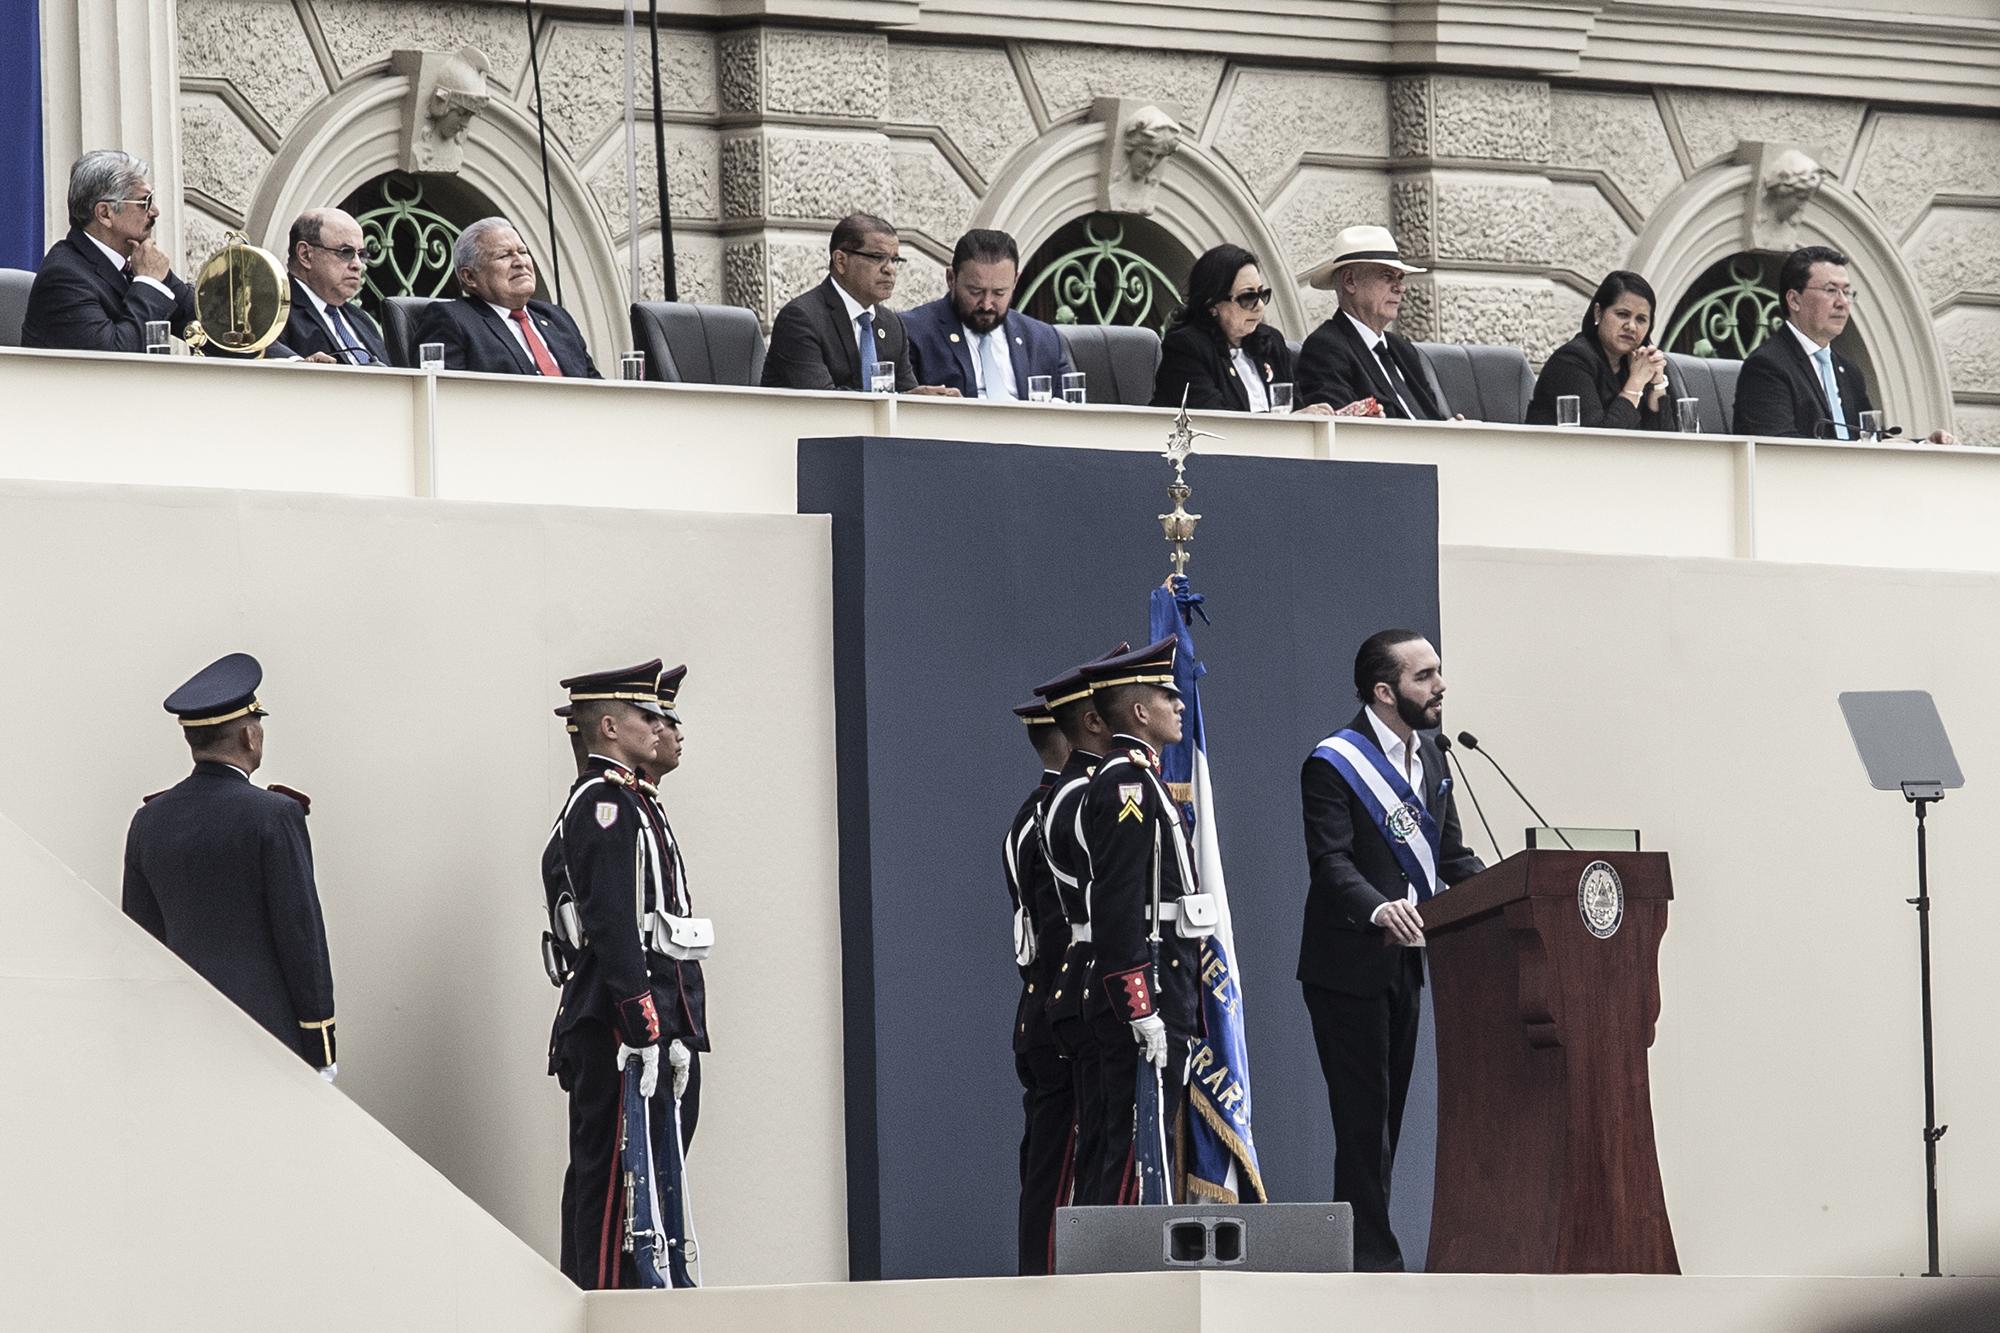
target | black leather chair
[
  {"x": 1725, "y": 373},
  {"x": 1118, "y": 362},
  {"x": 14, "y": 285},
  {"x": 1484, "y": 383},
  {"x": 686, "y": 343},
  {"x": 1456, "y": 376},
  {"x": 399, "y": 327},
  {"x": 1714, "y": 382}
]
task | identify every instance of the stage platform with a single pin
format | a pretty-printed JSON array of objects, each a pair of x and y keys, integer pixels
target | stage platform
[{"x": 1314, "y": 1303}]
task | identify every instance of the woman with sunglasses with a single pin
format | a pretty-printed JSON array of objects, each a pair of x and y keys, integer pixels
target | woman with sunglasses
[
  {"x": 1612, "y": 367},
  {"x": 1219, "y": 350}
]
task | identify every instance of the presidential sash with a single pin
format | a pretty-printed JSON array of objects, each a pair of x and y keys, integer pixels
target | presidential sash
[{"x": 1412, "y": 834}]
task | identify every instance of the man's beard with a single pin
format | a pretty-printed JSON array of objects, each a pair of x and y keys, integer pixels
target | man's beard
[
  {"x": 980, "y": 321},
  {"x": 1414, "y": 715}
]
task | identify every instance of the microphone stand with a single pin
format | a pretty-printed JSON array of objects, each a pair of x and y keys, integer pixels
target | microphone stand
[
  {"x": 1444, "y": 744},
  {"x": 1920, "y": 795},
  {"x": 1465, "y": 738}
]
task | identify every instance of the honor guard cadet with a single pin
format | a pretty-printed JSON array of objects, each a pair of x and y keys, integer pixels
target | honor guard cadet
[
  {"x": 611, "y": 946},
  {"x": 220, "y": 870},
  {"x": 1147, "y": 1004},
  {"x": 673, "y": 973},
  {"x": 1048, "y": 1101},
  {"x": 1067, "y": 698}
]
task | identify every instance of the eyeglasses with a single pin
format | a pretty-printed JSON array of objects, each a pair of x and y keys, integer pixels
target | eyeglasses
[
  {"x": 1847, "y": 293},
  {"x": 144, "y": 202},
  {"x": 878, "y": 258},
  {"x": 1253, "y": 298},
  {"x": 347, "y": 254}
]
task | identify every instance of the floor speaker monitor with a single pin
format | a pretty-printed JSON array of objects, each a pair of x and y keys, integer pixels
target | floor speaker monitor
[{"x": 1238, "y": 1237}]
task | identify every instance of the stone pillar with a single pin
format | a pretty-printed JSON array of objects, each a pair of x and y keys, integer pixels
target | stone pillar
[
  {"x": 109, "y": 78},
  {"x": 802, "y": 146},
  {"x": 1471, "y": 201}
]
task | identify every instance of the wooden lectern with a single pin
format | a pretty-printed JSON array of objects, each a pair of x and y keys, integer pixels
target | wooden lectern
[{"x": 1545, "y": 981}]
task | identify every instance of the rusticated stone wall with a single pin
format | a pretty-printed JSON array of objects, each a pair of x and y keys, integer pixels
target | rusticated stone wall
[{"x": 1517, "y": 193}]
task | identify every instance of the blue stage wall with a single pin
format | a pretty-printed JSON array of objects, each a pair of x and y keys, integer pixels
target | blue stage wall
[
  {"x": 965, "y": 574},
  {"x": 21, "y": 139}
]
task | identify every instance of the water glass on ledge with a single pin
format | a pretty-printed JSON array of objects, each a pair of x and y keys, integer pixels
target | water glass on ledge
[
  {"x": 1038, "y": 388},
  {"x": 632, "y": 366},
  {"x": 1871, "y": 425},
  {"x": 430, "y": 356},
  {"x": 883, "y": 378},
  {"x": 1072, "y": 387},
  {"x": 159, "y": 338},
  {"x": 1569, "y": 409},
  {"x": 1687, "y": 416},
  {"x": 1281, "y": 397}
]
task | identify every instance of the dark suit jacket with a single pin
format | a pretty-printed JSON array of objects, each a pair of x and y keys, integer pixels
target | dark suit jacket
[
  {"x": 1579, "y": 367},
  {"x": 1196, "y": 358},
  {"x": 475, "y": 338},
  {"x": 1335, "y": 367},
  {"x": 306, "y": 332},
  {"x": 81, "y": 301},
  {"x": 1779, "y": 393},
  {"x": 220, "y": 871},
  {"x": 813, "y": 345},
  {"x": 1353, "y": 872},
  {"x": 940, "y": 354}
]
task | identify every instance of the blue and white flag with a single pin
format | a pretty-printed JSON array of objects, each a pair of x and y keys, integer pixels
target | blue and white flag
[{"x": 1222, "y": 1156}]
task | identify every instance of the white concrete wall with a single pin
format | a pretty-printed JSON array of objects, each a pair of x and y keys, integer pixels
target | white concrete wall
[{"x": 412, "y": 651}]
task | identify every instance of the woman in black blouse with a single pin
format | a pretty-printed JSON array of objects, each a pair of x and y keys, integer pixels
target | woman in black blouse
[
  {"x": 1220, "y": 352},
  {"x": 1618, "y": 376}
]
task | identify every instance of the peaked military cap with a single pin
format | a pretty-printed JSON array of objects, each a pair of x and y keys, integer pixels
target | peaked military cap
[
  {"x": 222, "y": 691},
  {"x": 1070, "y": 686},
  {"x": 1151, "y": 665},
  {"x": 669, "y": 689},
  {"x": 635, "y": 685},
  {"x": 1035, "y": 713}
]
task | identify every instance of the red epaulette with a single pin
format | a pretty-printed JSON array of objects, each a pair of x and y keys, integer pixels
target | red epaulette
[{"x": 305, "y": 801}]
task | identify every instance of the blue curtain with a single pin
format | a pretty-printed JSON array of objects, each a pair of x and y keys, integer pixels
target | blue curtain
[{"x": 20, "y": 135}]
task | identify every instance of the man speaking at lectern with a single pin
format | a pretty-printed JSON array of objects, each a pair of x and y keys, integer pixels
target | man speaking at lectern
[{"x": 1382, "y": 837}]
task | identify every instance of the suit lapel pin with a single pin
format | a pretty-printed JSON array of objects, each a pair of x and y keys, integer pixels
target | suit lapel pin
[
  {"x": 954, "y": 337},
  {"x": 1017, "y": 340},
  {"x": 881, "y": 332}
]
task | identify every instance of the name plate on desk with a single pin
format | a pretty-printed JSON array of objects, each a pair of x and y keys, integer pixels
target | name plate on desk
[{"x": 1583, "y": 839}]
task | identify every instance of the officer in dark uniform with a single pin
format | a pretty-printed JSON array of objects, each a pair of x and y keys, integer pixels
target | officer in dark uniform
[
  {"x": 1128, "y": 820},
  {"x": 220, "y": 869},
  {"x": 1067, "y": 698},
  {"x": 680, "y": 976},
  {"x": 604, "y": 877},
  {"x": 1048, "y": 1100}
]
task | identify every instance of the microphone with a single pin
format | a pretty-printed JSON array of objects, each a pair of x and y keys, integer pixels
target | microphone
[
  {"x": 1444, "y": 747},
  {"x": 1471, "y": 742}
]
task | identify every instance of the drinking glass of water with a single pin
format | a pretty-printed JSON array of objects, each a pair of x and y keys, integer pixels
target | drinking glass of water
[
  {"x": 1038, "y": 388},
  {"x": 1687, "y": 415},
  {"x": 430, "y": 356},
  {"x": 1871, "y": 425},
  {"x": 159, "y": 337},
  {"x": 883, "y": 380},
  {"x": 632, "y": 366},
  {"x": 1569, "y": 409},
  {"x": 1072, "y": 387},
  {"x": 1281, "y": 397}
]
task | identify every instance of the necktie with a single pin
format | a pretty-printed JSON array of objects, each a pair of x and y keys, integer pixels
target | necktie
[
  {"x": 353, "y": 349},
  {"x": 536, "y": 347},
  {"x": 1397, "y": 382},
  {"x": 865, "y": 324},
  {"x": 1825, "y": 358},
  {"x": 989, "y": 370}
]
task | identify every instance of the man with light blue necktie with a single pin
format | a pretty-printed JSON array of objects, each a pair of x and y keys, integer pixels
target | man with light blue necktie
[
  {"x": 1795, "y": 383},
  {"x": 970, "y": 339},
  {"x": 837, "y": 334},
  {"x": 328, "y": 259}
]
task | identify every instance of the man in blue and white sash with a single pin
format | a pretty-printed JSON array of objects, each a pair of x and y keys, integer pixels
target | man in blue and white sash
[{"x": 1382, "y": 837}]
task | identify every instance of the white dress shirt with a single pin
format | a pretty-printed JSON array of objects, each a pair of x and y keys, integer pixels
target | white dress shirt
[
  {"x": 1372, "y": 340},
  {"x": 1404, "y": 759},
  {"x": 1001, "y": 358},
  {"x": 340, "y": 340},
  {"x": 1812, "y": 348},
  {"x": 119, "y": 261},
  {"x": 1252, "y": 376}
]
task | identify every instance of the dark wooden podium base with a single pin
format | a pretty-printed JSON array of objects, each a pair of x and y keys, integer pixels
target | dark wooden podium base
[{"x": 1546, "y": 1161}]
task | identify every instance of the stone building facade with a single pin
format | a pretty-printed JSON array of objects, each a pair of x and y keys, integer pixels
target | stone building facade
[{"x": 1597, "y": 145}]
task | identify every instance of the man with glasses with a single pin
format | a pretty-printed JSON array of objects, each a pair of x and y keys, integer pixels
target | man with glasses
[
  {"x": 1352, "y": 362},
  {"x": 497, "y": 326},
  {"x": 328, "y": 261},
  {"x": 835, "y": 335},
  {"x": 104, "y": 282},
  {"x": 1795, "y": 384},
  {"x": 970, "y": 339}
]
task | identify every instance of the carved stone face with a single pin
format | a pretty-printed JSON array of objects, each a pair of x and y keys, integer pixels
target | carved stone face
[{"x": 1150, "y": 138}]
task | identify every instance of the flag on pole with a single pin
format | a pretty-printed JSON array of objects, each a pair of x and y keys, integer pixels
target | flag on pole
[{"x": 1221, "y": 1165}]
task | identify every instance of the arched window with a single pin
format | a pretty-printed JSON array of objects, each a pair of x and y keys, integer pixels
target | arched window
[
  {"x": 411, "y": 223},
  {"x": 1735, "y": 305},
  {"x": 1106, "y": 268}
]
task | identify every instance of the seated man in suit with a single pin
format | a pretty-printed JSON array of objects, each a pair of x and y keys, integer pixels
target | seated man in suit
[
  {"x": 1352, "y": 362},
  {"x": 105, "y": 281},
  {"x": 970, "y": 339},
  {"x": 495, "y": 327},
  {"x": 328, "y": 261},
  {"x": 1795, "y": 383},
  {"x": 833, "y": 336}
]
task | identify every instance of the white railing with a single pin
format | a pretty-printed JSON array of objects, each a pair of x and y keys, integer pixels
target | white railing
[{"x": 178, "y": 421}]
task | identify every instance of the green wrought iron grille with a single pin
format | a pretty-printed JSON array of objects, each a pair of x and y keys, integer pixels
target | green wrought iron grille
[
  {"x": 411, "y": 243},
  {"x": 1103, "y": 282},
  {"x": 1730, "y": 310}
]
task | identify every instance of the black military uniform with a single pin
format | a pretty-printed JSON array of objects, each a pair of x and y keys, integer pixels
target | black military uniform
[
  {"x": 1048, "y": 1098},
  {"x": 681, "y": 977},
  {"x": 220, "y": 871},
  {"x": 606, "y": 884},
  {"x": 1123, "y": 806},
  {"x": 1070, "y": 988}
]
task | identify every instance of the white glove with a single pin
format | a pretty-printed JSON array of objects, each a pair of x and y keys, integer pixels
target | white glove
[
  {"x": 328, "y": 1072},
  {"x": 1151, "y": 1034},
  {"x": 682, "y": 1059},
  {"x": 649, "y": 1072}
]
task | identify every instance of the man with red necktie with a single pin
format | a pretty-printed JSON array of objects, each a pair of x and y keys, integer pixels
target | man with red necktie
[{"x": 496, "y": 326}]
